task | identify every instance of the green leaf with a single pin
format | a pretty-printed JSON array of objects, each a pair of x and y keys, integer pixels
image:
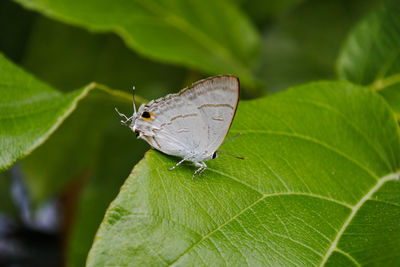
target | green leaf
[
  {"x": 320, "y": 185},
  {"x": 212, "y": 36},
  {"x": 371, "y": 53},
  {"x": 30, "y": 111}
]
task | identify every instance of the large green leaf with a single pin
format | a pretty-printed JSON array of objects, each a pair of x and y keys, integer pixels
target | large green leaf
[
  {"x": 320, "y": 185},
  {"x": 371, "y": 54},
  {"x": 212, "y": 36}
]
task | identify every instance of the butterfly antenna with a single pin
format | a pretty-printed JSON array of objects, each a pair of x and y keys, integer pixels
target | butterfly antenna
[
  {"x": 125, "y": 122},
  {"x": 134, "y": 105},
  {"x": 219, "y": 151},
  {"x": 239, "y": 134}
]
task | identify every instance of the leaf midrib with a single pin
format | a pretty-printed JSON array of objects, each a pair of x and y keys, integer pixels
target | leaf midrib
[{"x": 355, "y": 209}]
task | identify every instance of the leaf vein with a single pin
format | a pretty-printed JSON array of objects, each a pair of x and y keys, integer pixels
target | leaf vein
[{"x": 347, "y": 255}]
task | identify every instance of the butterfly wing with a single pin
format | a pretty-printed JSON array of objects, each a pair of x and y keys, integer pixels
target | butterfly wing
[{"x": 193, "y": 122}]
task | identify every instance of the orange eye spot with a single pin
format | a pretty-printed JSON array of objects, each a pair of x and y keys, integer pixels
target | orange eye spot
[{"x": 147, "y": 115}]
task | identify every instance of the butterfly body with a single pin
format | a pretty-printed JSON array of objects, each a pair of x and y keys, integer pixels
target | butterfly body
[{"x": 191, "y": 124}]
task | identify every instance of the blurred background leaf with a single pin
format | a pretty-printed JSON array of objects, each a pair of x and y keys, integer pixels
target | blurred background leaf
[
  {"x": 320, "y": 184},
  {"x": 303, "y": 43},
  {"x": 212, "y": 36},
  {"x": 371, "y": 53}
]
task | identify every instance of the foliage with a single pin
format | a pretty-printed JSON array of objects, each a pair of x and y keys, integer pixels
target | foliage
[{"x": 320, "y": 185}]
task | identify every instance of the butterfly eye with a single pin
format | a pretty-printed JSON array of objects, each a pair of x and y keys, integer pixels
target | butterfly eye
[
  {"x": 146, "y": 115},
  {"x": 214, "y": 155}
]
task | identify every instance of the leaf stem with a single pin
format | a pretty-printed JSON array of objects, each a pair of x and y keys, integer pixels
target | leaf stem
[
  {"x": 126, "y": 97},
  {"x": 385, "y": 82}
]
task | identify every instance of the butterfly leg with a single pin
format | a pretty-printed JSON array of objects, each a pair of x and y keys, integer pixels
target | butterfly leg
[
  {"x": 202, "y": 166},
  {"x": 176, "y": 165}
]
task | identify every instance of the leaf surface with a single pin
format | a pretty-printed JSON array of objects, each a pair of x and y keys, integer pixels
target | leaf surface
[{"x": 320, "y": 186}]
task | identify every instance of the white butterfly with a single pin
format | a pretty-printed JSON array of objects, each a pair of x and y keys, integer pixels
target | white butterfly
[{"x": 191, "y": 124}]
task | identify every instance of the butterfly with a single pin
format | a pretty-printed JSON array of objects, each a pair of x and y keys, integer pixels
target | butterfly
[{"x": 191, "y": 124}]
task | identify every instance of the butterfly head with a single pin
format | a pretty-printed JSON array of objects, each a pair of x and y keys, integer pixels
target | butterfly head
[{"x": 141, "y": 122}]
